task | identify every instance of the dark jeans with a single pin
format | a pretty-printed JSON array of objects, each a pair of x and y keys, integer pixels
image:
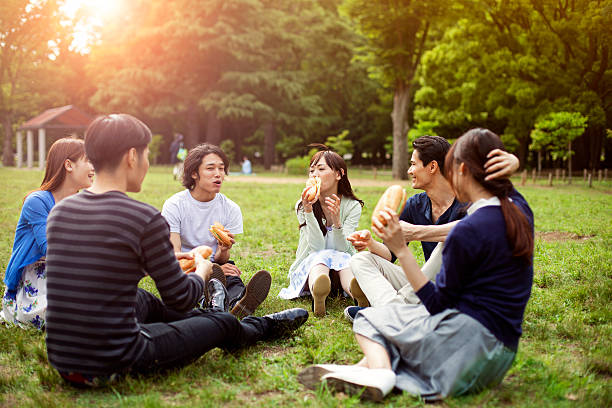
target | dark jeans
[
  {"x": 235, "y": 288},
  {"x": 176, "y": 339}
]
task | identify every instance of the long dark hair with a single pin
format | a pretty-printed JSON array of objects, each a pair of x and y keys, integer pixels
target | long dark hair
[
  {"x": 336, "y": 163},
  {"x": 472, "y": 149},
  {"x": 67, "y": 148}
]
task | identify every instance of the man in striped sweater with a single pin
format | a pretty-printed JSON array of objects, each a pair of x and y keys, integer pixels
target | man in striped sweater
[{"x": 101, "y": 243}]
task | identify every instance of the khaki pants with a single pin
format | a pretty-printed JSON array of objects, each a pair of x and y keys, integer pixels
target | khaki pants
[{"x": 385, "y": 283}]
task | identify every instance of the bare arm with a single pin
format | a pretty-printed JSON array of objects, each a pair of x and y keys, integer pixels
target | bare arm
[
  {"x": 175, "y": 239},
  {"x": 429, "y": 233}
]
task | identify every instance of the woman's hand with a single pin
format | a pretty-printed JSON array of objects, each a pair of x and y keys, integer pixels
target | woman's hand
[
  {"x": 333, "y": 206},
  {"x": 500, "y": 164},
  {"x": 361, "y": 240},
  {"x": 391, "y": 234},
  {"x": 307, "y": 205}
]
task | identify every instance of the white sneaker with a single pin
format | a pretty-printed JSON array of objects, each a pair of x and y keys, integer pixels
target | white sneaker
[
  {"x": 372, "y": 384},
  {"x": 310, "y": 377}
]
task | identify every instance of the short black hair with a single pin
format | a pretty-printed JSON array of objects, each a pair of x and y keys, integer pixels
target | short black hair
[
  {"x": 109, "y": 137},
  {"x": 194, "y": 160},
  {"x": 432, "y": 148}
]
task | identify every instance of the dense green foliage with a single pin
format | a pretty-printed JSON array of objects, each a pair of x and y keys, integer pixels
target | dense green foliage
[
  {"x": 274, "y": 76},
  {"x": 564, "y": 359}
]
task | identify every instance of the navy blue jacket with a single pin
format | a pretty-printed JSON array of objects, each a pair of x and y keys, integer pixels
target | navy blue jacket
[{"x": 479, "y": 275}]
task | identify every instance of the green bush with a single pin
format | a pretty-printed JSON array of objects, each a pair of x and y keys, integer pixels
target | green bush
[
  {"x": 298, "y": 165},
  {"x": 229, "y": 148}
]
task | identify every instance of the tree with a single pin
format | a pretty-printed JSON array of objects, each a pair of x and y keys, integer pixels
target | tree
[
  {"x": 555, "y": 133},
  {"x": 29, "y": 34},
  {"x": 396, "y": 34},
  {"x": 340, "y": 143},
  {"x": 507, "y": 63}
]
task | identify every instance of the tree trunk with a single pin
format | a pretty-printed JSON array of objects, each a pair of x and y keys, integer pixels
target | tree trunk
[
  {"x": 213, "y": 128},
  {"x": 539, "y": 162},
  {"x": 192, "y": 137},
  {"x": 569, "y": 162},
  {"x": 8, "y": 156},
  {"x": 399, "y": 116},
  {"x": 269, "y": 129}
]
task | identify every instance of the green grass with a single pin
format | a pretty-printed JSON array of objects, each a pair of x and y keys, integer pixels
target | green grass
[{"x": 564, "y": 359}]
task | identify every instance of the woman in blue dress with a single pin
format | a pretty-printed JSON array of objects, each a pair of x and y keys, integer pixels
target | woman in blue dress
[
  {"x": 67, "y": 171},
  {"x": 464, "y": 336}
]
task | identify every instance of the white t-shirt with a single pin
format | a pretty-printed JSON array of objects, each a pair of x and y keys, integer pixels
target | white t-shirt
[{"x": 191, "y": 218}]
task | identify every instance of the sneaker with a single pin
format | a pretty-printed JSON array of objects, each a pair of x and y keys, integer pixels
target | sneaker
[
  {"x": 217, "y": 273},
  {"x": 351, "y": 311},
  {"x": 320, "y": 289},
  {"x": 358, "y": 294},
  {"x": 311, "y": 376},
  {"x": 370, "y": 384},
  {"x": 217, "y": 295},
  {"x": 255, "y": 293}
]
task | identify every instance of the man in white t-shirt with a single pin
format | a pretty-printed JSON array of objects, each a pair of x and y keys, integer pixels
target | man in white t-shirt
[{"x": 191, "y": 212}]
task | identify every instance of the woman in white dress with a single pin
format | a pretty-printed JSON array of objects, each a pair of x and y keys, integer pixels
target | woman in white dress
[
  {"x": 324, "y": 224},
  {"x": 67, "y": 171}
]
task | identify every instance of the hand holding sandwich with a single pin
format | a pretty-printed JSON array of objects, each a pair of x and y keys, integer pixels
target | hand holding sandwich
[
  {"x": 389, "y": 230},
  {"x": 311, "y": 193}
]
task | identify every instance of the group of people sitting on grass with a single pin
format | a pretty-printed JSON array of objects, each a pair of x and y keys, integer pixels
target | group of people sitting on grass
[{"x": 447, "y": 328}]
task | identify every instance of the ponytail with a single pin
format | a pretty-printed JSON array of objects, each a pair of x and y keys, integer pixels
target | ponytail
[
  {"x": 518, "y": 230},
  {"x": 472, "y": 149}
]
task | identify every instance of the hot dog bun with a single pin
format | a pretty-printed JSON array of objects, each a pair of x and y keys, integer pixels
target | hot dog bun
[
  {"x": 394, "y": 197},
  {"x": 220, "y": 233},
  {"x": 314, "y": 187},
  {"x": 188, "y": 265}
]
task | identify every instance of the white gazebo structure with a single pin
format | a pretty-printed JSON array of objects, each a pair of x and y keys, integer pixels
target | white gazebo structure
[{"x": 55, "y": 122}]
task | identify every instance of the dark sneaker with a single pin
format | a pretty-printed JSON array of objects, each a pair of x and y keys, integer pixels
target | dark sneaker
[
  {"x": 217, "y": 273},
  {"x": 285, "y": 322},
  {"x": 217, "y": 295},
  {"x": 256, "y": 292},
  {"x": 351, "y": 311}
]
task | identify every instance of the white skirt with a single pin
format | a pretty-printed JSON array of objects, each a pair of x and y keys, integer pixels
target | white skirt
[
  {"x": 331, "y": 258},
  {"x": 27, "y": 306}
]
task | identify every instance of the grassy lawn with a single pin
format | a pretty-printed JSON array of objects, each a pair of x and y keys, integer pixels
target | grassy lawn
[{"x": 564, "y": 359}]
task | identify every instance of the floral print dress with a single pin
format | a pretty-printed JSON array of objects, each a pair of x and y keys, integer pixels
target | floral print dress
[{"x": 26, "y": 306}]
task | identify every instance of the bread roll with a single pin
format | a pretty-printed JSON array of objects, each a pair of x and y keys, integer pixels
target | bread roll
[
  {"x": 220, "y": 233},
  {"x": 314, "y": 187},
  {"x": 394, "y": 197},
  {"x": 188, "y": 265}
]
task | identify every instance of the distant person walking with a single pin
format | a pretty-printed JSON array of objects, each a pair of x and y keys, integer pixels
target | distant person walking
[
  {"x": 177, "y": 155},
  {"x": 176, "y": 144}
]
